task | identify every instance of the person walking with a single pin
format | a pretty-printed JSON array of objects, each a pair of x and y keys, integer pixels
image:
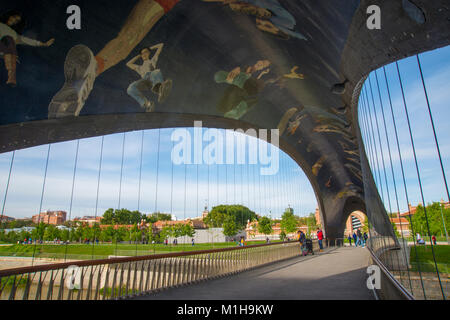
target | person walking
[
  {"x": 365, "y": 237},
  {"x": 320, "y": 238},
  {"x": 350, "y": 239},
  {"x": 193, "y": 242},
  {"x": 354, "y": 239},
  {"x": 433, "y": 238},
  {"x": 359, "y": 236}
]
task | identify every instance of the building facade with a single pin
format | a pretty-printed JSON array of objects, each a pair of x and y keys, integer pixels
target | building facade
[{"x": 50, "y": 217}]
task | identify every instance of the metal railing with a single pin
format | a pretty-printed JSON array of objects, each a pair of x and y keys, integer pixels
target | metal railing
[{"x": 131, "y": 276}]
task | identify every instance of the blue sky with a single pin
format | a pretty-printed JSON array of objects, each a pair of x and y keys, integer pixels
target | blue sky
[
  {"x": 268, "y": 195},
  {"x": 263, "y": 194},
  {"x": 436, "y": 70}
]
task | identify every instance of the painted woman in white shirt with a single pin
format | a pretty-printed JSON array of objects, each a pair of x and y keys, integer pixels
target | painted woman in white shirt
[
  {"x": 11, "y": 28},
  {"x": 151, "y": 78}
]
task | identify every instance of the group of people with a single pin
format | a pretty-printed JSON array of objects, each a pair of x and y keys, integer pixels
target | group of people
[
  {"x": 306, "y": 244},
  {"x": 419, "y": 239},
  {"x": 358, "y": 238}
]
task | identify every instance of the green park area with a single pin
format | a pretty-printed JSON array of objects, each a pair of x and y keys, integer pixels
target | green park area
[
  {"x": 423, "y": 259},
  {"x": 100, "y": 251}
]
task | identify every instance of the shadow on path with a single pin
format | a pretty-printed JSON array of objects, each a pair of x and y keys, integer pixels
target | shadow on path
[{"x": 337, "y": 274}]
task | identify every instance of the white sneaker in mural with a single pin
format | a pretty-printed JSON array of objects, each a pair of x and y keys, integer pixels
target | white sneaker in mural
[{"x": 79, "y": 71}]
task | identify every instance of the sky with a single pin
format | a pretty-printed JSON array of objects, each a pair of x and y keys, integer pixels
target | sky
[
  {"x": 436, "y": 71},
  {"x": 177, "y": 185}
]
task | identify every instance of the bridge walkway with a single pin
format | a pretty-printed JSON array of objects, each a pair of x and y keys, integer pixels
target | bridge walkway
[{"x": 338, "y": 273}]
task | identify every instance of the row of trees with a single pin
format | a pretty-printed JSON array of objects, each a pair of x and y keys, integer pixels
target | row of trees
[
  {"x": 82, "y": 233},
  {"x": 125, "y": 216}
]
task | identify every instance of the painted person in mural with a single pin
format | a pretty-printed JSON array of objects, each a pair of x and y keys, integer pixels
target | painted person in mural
[
  {"x": 269, "y": 15},
  {"x": 151, "y": 78},
  {"x": 12, "y": 25},
  {"x": 244, "y": 85},
  {"x": 82, "y": 66}
]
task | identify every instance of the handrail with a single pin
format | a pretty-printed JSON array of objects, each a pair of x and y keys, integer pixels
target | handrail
[
  {"x": 84, "y": 263},
  {"x": 130, "y": 276},
  {"x": 390, "y": 277}
]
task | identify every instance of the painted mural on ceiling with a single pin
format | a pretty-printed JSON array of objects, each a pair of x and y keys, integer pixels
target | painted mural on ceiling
[{"x": 265, "y": 62}]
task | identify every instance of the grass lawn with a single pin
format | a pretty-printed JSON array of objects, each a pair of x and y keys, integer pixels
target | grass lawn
[
  {"x": 100, "y": 251},
  {"x": 425, "y": 258}
]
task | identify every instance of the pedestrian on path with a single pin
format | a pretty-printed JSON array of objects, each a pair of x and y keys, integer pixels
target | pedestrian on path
[
  {"x": 354, "y": 239},
  {"x": 320, "y": 238},
  {"x": 359, "y": 236},
  {"x": 433, "y": 238},
  {"x": 350, "y": 239}
]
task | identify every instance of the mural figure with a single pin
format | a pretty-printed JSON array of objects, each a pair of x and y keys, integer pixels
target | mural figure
[
  {"x": 294, "y": 74},
  {"x": 244, "y": 86},
  {"x": 294, "y": 124},
  {"x": 12, "y": 24},
  {"x": 349, "y": 190},
  {"x": 284, "y": 120},
  {"x": 271, "y": 17},
  {"x": 318, "y": 165},
  {"x": 334, "y": 129},
  {"x": 328, "y": 183},
  {"x": 319, "y": 115},
  {"x": 356, "y": 171},
  {"x": 82, "y": 67},
  {"x": 151, "y": 78}
]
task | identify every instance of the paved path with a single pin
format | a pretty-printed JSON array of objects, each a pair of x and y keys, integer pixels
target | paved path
[{"x": 334, "y": 274}]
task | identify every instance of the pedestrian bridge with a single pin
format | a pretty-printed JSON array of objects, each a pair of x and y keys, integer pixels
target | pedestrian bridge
[
  {"x": 336, "y": 273},
  {"x": 295, "y": 68}
]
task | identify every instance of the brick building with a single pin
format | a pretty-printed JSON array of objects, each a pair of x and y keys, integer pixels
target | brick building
[
  {"x": 88, "y": 220},
  {"x": 50, "y": 217}
]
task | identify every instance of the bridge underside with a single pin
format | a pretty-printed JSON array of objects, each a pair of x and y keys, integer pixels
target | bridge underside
[{"x": 293, "y": 65}]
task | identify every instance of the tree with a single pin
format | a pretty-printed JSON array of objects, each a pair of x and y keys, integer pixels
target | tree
[
  {"x": 108, "y": 216},
  {"x": 166, "y": 232},
  {"x": 241, "y": 214},
  {"x": 187, "y": 230},
  {"x": 157, "y": 216},
  {"x": 395, "y": 230},
  {"x": 433, "y": 213},
  {"x": 288, "y": 222},
  {"x": 122, "y": 216},
  {"x": 107, "y": 234},
  {"x": 265, "y": 225},
  {"x": 65, "y": 235},
  {"x": 229, "y": 226},
  {"x": 38, "y": 232},
  {"x": 51, "y": 233}
]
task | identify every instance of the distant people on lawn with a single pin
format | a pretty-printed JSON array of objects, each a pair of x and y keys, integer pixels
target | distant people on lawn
[{"x": 419, "y": 239}]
